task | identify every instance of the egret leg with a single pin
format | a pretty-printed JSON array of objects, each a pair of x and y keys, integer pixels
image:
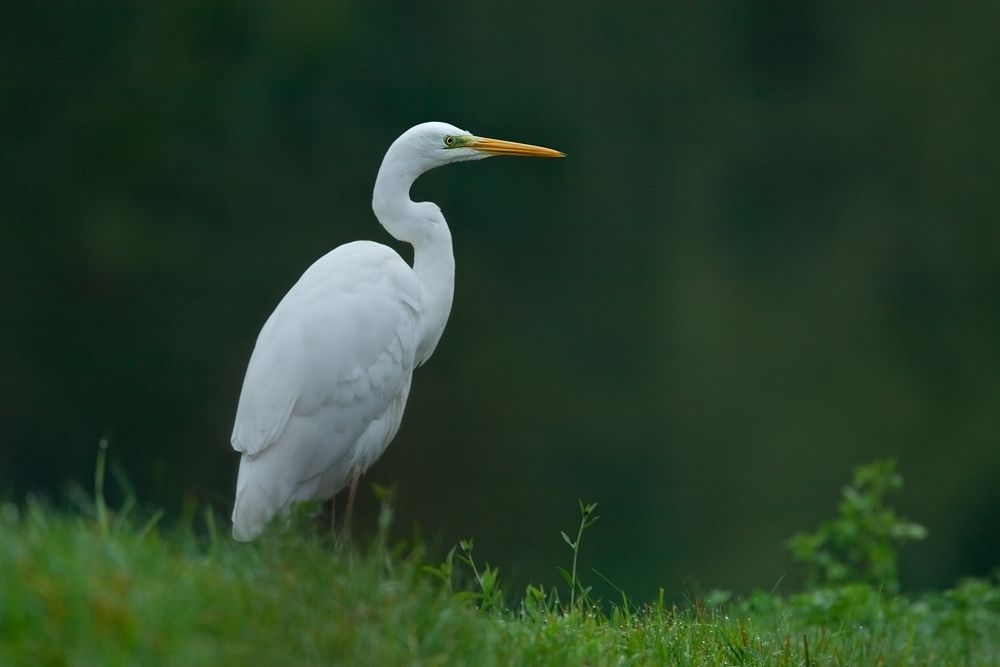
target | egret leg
[
  {"x": 331, "y": 504},
  {"x": 355, "y": 476}
]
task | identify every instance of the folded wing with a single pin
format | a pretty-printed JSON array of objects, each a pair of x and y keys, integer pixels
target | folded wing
[{"x": 329, "y": 374}]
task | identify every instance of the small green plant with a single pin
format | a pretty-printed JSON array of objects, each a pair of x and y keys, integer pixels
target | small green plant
[
  {"x": 110, "y": 522},
  {"x": 860, "y": 545},
  {"x": 587, "y": 519},
  {"x": 489, "y": 595}
]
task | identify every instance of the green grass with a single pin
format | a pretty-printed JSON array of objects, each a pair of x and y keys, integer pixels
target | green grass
[{"x": 103, "y": 588}]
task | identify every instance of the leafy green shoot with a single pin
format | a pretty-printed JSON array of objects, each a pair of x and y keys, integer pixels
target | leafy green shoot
[{"x": 861, "y": 544}]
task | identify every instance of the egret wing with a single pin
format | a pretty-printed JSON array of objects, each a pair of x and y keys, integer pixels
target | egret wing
[{"x": 335, "y": 351}]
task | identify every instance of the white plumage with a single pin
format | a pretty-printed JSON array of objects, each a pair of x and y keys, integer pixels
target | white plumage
[{"x": 328, "y": 380}]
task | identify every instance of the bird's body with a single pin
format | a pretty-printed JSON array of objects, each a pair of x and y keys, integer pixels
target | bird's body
[{"x": 328, "y": 380}]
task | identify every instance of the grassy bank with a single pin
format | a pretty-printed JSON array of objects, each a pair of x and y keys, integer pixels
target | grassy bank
[{"x": 99, "y": 587}]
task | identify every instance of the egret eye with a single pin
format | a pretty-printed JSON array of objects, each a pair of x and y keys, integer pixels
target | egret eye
[{"x": 450, "y": 141}]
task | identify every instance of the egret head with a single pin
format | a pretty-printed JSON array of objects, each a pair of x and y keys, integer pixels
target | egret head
[
  {"x": 436, "y": 144},
  {"x": 419, "y": 149}
]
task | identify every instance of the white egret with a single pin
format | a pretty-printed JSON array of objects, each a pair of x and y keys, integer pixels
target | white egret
[{"x": 328, "y": 379}]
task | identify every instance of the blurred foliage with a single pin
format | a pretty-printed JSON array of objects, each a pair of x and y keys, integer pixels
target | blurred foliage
[
  {"x": 772, "y": 253},
  {"x": 860, "y": 546}
]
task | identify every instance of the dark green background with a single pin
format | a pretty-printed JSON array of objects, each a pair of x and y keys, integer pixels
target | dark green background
[{"x": 772, "y": 254}]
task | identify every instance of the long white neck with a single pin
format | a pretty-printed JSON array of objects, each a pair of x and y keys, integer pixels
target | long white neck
[{"x": 422, "y": 225}]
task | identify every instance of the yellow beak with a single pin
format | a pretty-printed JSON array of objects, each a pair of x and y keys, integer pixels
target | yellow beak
[{"x": 500, "y": 147}]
